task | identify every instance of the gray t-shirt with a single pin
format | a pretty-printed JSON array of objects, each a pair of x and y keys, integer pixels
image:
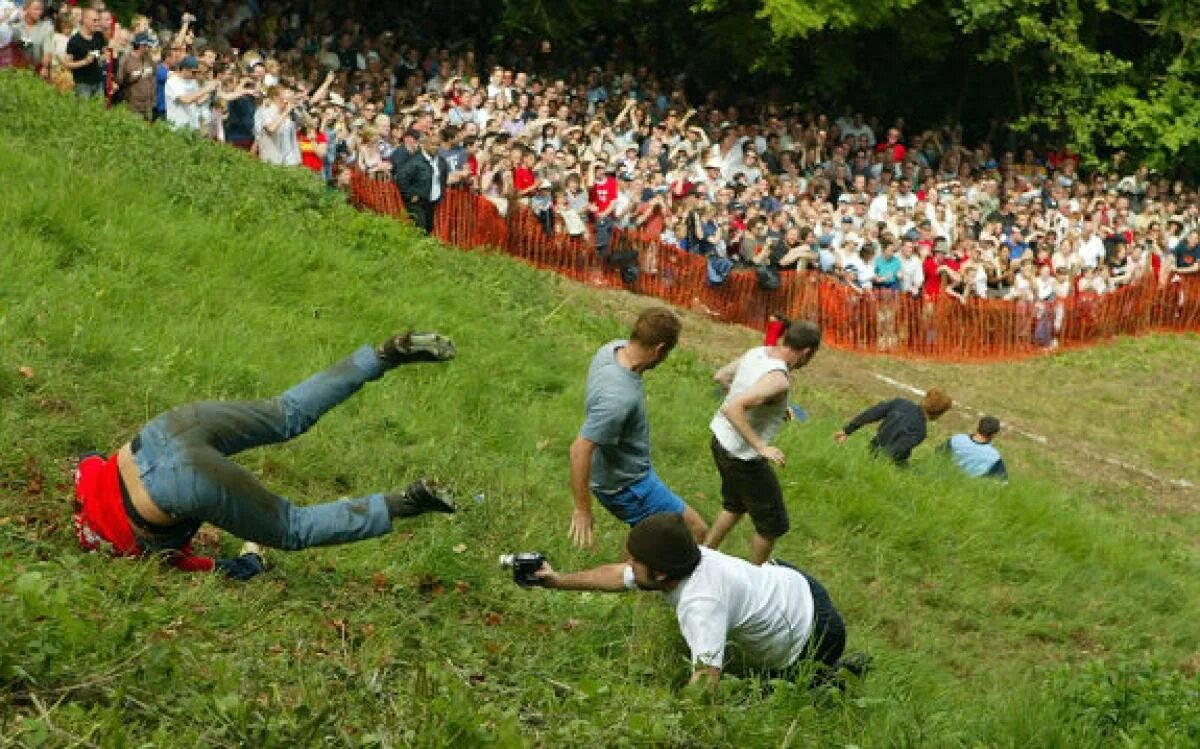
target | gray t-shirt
[{"x": 615, "y": 419}]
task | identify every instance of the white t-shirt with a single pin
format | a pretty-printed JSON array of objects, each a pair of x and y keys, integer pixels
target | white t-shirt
[
  {"x": 185, "y": 116},
  {"x": 8, "y": 14},
  {"x": 978, "y": 281},
  {"x": 280, "y": 147},
  {"x": 1091, "y": 252},
  {"x": 765, "y": 419},
  {"x": 766, "y": 612},
  {"x": 1046, "y": 287},
  {"x": 878, "y": 209},
  {"x": 912, "y": 275}
]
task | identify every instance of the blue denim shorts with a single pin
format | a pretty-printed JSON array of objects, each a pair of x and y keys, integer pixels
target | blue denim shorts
[{"x": 645, "y": 497}]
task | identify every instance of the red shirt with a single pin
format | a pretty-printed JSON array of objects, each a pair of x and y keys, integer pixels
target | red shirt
[
  {"x": 898, "y": 150},
  {"x": 308, "y": 151},
  {"x": 654, "y": 223},
  {"x": 100, "y": 520},
  {"x": 933, "y": 279},
  {"x": 523, "y": 178},
  {"x": 603, "y": 193},
  {"x": 681, "y": 188},
  {"x": 775, "y": 331}
]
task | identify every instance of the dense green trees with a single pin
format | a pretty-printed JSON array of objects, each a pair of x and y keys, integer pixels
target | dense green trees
[{"x": 1100, "y": 76}]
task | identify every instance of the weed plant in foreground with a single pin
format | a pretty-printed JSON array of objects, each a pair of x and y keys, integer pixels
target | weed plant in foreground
[{"x": 142, "y": 270}]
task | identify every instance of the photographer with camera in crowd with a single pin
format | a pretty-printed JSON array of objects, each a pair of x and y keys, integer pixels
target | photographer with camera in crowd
[
  {"x": 777, "y": 617},
  {"x": 135, "y": 75}
]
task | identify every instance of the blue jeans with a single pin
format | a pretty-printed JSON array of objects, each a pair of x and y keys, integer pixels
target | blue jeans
[
  {"x": 183, "y": 461},
  {"x": 604, "y": 229},
  {"x": 645, "y": 497},
  {"x": 89, "y": 90}
]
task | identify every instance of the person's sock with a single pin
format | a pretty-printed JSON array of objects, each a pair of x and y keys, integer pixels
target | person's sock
[
  {"x": 420, "y": 497},
  {"x": 410, "y": 347}
]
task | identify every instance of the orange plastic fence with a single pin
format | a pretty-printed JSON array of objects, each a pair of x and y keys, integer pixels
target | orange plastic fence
[{"x": 876, "y": 322}]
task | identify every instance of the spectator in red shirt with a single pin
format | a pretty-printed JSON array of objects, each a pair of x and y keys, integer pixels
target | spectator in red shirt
[
  {"x": 313, "y": 146},
  {"x": 602, "y": 196},
  {"x": 524, "y": 179},
  {"x": 932, "y": 266},
  {"x": 894, "y": 145}
]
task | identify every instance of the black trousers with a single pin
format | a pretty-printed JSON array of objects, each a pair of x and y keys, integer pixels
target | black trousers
[
  {"x": 421, "y": 212},
  {"x": 828, "y": 640}
]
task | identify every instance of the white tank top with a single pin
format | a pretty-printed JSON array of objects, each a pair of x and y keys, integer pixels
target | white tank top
[{"x": 764, "y": 419}]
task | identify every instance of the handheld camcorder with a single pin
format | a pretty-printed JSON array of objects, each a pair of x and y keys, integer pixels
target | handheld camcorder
[{"x": 523, "y": 565}]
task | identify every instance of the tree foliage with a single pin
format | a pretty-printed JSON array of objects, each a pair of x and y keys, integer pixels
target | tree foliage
[{"x": 1099, "y": 77}]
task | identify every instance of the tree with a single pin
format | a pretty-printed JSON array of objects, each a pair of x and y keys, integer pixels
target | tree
[{"x": 1098, "y": 77}]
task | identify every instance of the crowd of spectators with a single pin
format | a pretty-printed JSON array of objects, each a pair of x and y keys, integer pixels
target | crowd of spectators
[{"x": 593, "y": 147}]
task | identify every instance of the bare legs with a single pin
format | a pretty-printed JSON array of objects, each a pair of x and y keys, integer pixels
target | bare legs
[{"x": 760, "y": 546}]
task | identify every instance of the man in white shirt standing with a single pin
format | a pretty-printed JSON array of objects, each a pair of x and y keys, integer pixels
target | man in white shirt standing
[
  {"x": 755, "y": 407},
  {"x": 184, "y": 95},
  {"x": 1091, "y": 252},
  {"x": 912, "y": 274},
  {"x": 777, "y": 617}
]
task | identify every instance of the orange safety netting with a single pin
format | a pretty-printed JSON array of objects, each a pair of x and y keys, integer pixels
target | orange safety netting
[{"x": 878, "y": 322}]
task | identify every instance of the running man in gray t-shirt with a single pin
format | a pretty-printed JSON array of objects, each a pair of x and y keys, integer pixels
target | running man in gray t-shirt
[{"x": 611, "y": 456}]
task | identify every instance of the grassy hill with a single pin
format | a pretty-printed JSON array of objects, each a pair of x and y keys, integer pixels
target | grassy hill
[{"x": 141, "y": 270}]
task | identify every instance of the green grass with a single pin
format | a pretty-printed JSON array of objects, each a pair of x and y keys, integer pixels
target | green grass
[
  {"x": 1093, "y": 396},
  {"x": 141, "y": 271}
]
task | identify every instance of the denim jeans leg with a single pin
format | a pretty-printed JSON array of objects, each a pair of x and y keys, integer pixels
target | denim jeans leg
[
  {"x": 604, "y": 228},
  {"x": 184, "y": 463},
  {"x": 221, "y": 492},
  {"x": 234, "y": 426}
]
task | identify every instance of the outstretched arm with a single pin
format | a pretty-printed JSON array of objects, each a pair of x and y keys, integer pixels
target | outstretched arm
[
  {"x": 607, "y": 578},
  {"x": 871, "y": 415}
]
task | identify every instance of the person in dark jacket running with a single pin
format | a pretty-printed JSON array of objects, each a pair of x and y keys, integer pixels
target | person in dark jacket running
[{"x": 904, "y": 424}]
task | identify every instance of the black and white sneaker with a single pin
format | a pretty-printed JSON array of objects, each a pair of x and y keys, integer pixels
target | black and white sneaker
[
  {"x": 410, "y": 348},
  {"x": 429, "y": 497}
]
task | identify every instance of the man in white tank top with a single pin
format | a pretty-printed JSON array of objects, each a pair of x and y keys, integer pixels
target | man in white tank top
[{"x": 755, "y": 407}]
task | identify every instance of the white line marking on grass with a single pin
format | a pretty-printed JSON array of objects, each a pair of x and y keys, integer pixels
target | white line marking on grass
[{"x": 1041, "y": 440}]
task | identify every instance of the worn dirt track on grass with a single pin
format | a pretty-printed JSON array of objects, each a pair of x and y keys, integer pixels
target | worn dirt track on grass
[{"x": 1101, "y": 447}]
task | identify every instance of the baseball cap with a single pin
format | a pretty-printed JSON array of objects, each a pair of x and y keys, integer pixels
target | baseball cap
[
  {"x": 189, "y": 63},
  {"x": 143, "y": 39}
]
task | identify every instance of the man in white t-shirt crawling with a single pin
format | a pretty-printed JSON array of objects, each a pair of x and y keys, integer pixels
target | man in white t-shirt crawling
[
  {"x": 776, "y": 617},
  {"x": 755, "y": 407}
]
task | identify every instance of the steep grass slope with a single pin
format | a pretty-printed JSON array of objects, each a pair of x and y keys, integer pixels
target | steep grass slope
[{"x": 141, "y": 270}]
